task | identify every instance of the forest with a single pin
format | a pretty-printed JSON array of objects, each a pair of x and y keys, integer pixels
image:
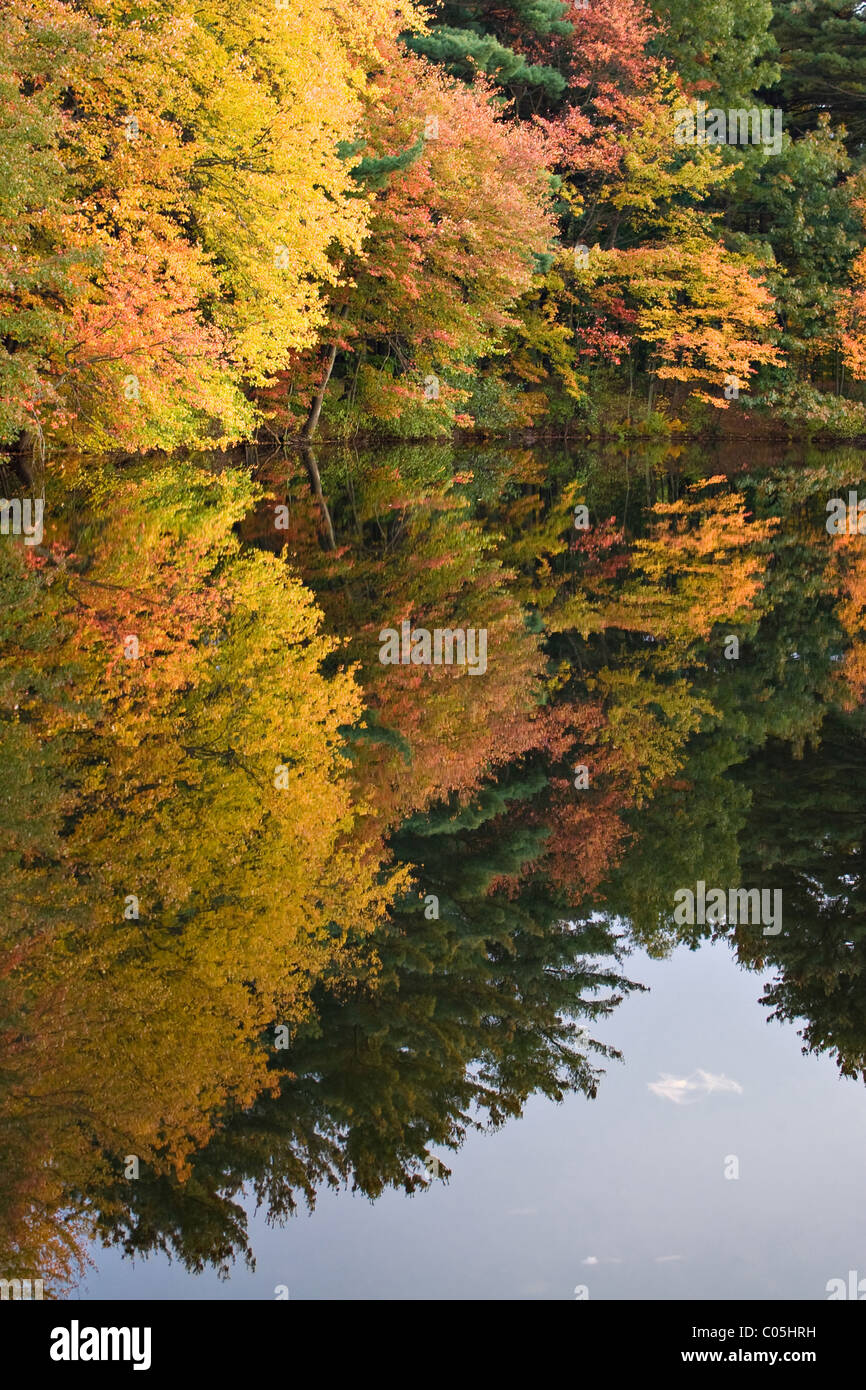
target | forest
[
  {"x": 360, "y": 219},
  {"x": 328, "y": 323}
]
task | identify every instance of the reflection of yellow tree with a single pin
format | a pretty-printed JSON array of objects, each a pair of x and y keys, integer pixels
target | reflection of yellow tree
[
  {"x": 201, "y": 785},
  {"x": 648, "y": 725}
]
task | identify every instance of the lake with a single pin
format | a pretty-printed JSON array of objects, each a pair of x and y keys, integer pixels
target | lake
[{"x": 436, "y": 871}]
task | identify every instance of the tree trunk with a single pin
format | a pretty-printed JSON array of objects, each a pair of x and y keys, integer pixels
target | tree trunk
[
  {"x": 316, "y": 407},
  {"x": 328, "y": 539},
  {"x": 28, "y": 456}
]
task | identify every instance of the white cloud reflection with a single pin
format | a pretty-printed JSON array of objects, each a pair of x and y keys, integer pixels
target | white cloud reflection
[{"x": 685, "y": 1090}]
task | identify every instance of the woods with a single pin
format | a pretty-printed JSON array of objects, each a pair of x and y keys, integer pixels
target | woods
[
  {"x": 416, "y": 586},
  {"x": 369, "y": 219}
]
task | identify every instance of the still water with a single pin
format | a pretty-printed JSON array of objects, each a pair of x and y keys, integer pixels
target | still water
[{"x": 334, "y": 970}]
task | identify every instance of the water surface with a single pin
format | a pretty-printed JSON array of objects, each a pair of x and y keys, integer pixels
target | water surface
[{"x": 333, "y": 977}]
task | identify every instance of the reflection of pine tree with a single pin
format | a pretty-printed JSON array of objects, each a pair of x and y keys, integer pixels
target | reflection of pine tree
[
  {"x": 464, "y": 1019},
  {"x": 806, "y": 835},
  {"x": 491, "y": 801}
]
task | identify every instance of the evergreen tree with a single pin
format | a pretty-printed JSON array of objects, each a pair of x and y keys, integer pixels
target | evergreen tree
[
  {"x": 822, "y": 53},
  {"x": 474, "y": 35},
  {"x": 725, "y": 50}
]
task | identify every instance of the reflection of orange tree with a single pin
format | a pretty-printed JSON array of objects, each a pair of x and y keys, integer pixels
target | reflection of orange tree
[
  {"x": 695, "y": 569},
  {"x": 416, "y": 553},
  {"x": 460, "y": 728},
  {"x": 633, "y": 631},
  {"x": 155, "y": 778},
  {"x": 700, "y": 566},
  {"x": 847, "y": 576}
]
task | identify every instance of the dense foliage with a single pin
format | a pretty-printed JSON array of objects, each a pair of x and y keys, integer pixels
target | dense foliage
[{"x": 345, "y": 217}]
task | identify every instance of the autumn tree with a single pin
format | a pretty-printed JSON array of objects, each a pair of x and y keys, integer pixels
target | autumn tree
[
  {"x": 457, "y": 213},
  {"x": 187, "y": 193}
]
